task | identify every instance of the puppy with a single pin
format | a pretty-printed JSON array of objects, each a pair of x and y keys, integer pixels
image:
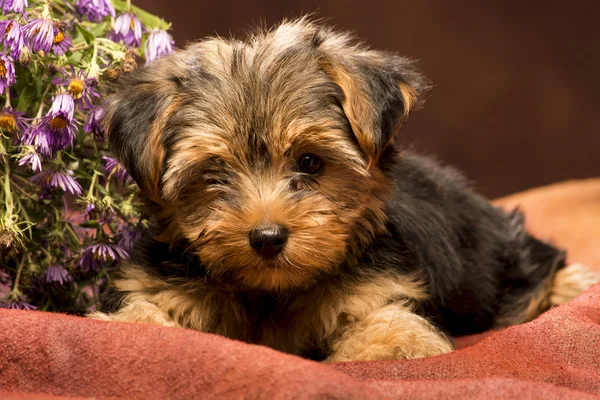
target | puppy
[{"x": 288, "y": 216}]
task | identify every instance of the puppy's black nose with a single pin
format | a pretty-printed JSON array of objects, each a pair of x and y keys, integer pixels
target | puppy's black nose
[{"x": 268, "y": 241}]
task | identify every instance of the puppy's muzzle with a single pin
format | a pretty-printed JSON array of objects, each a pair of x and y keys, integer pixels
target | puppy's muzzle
[{"x": 268, "y": 241}]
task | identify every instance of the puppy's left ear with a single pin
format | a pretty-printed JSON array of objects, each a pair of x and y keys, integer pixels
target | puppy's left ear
[
  {"x": 379, "y": 89},
  {"x": 136, "y": 120}
]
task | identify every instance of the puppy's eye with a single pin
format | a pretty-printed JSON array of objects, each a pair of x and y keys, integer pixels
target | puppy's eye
[{"x": 310, "y": 164}]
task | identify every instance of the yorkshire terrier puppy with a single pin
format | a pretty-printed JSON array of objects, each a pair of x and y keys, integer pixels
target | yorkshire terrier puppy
[{"x": 288, "y": 216}]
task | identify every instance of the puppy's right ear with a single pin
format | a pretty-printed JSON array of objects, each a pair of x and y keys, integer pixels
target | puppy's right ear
[
  {"x": 379, "y": 89},
  {"x": 137, "y": 116}
]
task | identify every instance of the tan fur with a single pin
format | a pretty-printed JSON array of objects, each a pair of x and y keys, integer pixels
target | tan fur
[
  {"x": 410, "y": 94},
  {"x": 389, "y": 333},
  {"x": 570, "y": 282},
  {"x": 137, "y": 312},
  {"x": 156, "y": 151},
  {"x": 321, "y": 316},
  {"x": 316, "y": 317},
  {"x": 266, "y": 198},
  {"x": 151, "y": 153},
  {"x": 564, "y": 286},
  {"x": 344, "y": 209},
  {"x": 358, "y": 109},
  {"x": 235, "y": 119},
  {"x": 526, "y": 308}
]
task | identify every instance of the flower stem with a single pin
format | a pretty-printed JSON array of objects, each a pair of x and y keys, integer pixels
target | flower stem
[
  {"x": 81, "y": 46},
  {"x": 61, "y": 8},
  {"x": 7, "y": 104},
  {"x": 46, "y": 253},
  {"x": 92, "y": 185},
  {"x": 94, "y": 69},
  {"x": 41, "y": 109},
  {"x": 8, "y": 200},
  {"x": 71, "y": 231},
  {"x": 15, "y": 176},
  {"x": 46, "y": 12},
  {"x": 15, "y": 294},
  {"x": 23, "y": 192},
  {"x": 105, "y": 40}
]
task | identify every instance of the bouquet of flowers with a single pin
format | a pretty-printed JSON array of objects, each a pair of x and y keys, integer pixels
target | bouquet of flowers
[{"x": 67, "y": 209}]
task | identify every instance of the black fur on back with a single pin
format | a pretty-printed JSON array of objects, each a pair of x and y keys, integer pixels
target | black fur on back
[{"x": 477, "y": 257}]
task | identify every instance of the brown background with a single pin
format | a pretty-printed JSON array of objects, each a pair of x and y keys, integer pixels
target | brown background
[{"x": 517, "y": 82}]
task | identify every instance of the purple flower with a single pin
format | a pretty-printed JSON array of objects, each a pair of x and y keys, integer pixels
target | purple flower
[
  {"x": 158, "y": 45},
  {"x": 39, "y": 33},
  {"x": 94, "y": 122},
  {"x": 81, "y": 88},
  {"x": 57, "y": 130},
  {"x": 90, "y": 211},
  {"x": 56, "y": 274},
  {"x": 129, "y": 236},
  {"x": 56, "y": 178},
  {"x": 18, "y": 305},
  {"x": 113, "y": 168},
  {"x": 104, "y": 214},
  {"x": 7, "y": 72},
  {"x": 62, "y": 105},
  {"x": 94, "y": 256},
  {"x": 37, "y": 137},
  {"x": 61, "y": 42},
  {"x": 12, "y": 120},
  {"x": 12, "y": 34},
  {"x": 128, "y": 29},
  {"x": 17, "y": 6},
  {"x": 95, "y": 10},
  {"x": 33, "y": 160},
  {"x": 107, "y": 216}
]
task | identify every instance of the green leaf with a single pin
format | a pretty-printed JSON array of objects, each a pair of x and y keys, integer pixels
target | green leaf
[
  {"x": 143, "y": 46},
  {"x": 102, "y": 190},
  {"x": 75, "y": 59},
  {"x": 87, "y": 35},
  {"x": 99, "y": 29},
  {"x": 73, "y": 237},
  {"x": 27, "y": 97},
  {"x": 27, "y": 89}
]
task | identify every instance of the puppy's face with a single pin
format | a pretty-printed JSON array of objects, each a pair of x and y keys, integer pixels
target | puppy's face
[{"x": 267, "y": 155}]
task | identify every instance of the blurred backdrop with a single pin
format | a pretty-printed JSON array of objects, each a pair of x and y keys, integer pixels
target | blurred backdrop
[{"x": 517, "y": 83}]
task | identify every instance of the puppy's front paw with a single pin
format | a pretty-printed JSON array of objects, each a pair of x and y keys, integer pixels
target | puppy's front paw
[
  {"x": 571, "y": 281},
  {"x": 391, "y": 333},
  {"x": 408, "y": 347},
  {"x": 137, "y": 311},
  {"x": 100, "y": 316}
]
